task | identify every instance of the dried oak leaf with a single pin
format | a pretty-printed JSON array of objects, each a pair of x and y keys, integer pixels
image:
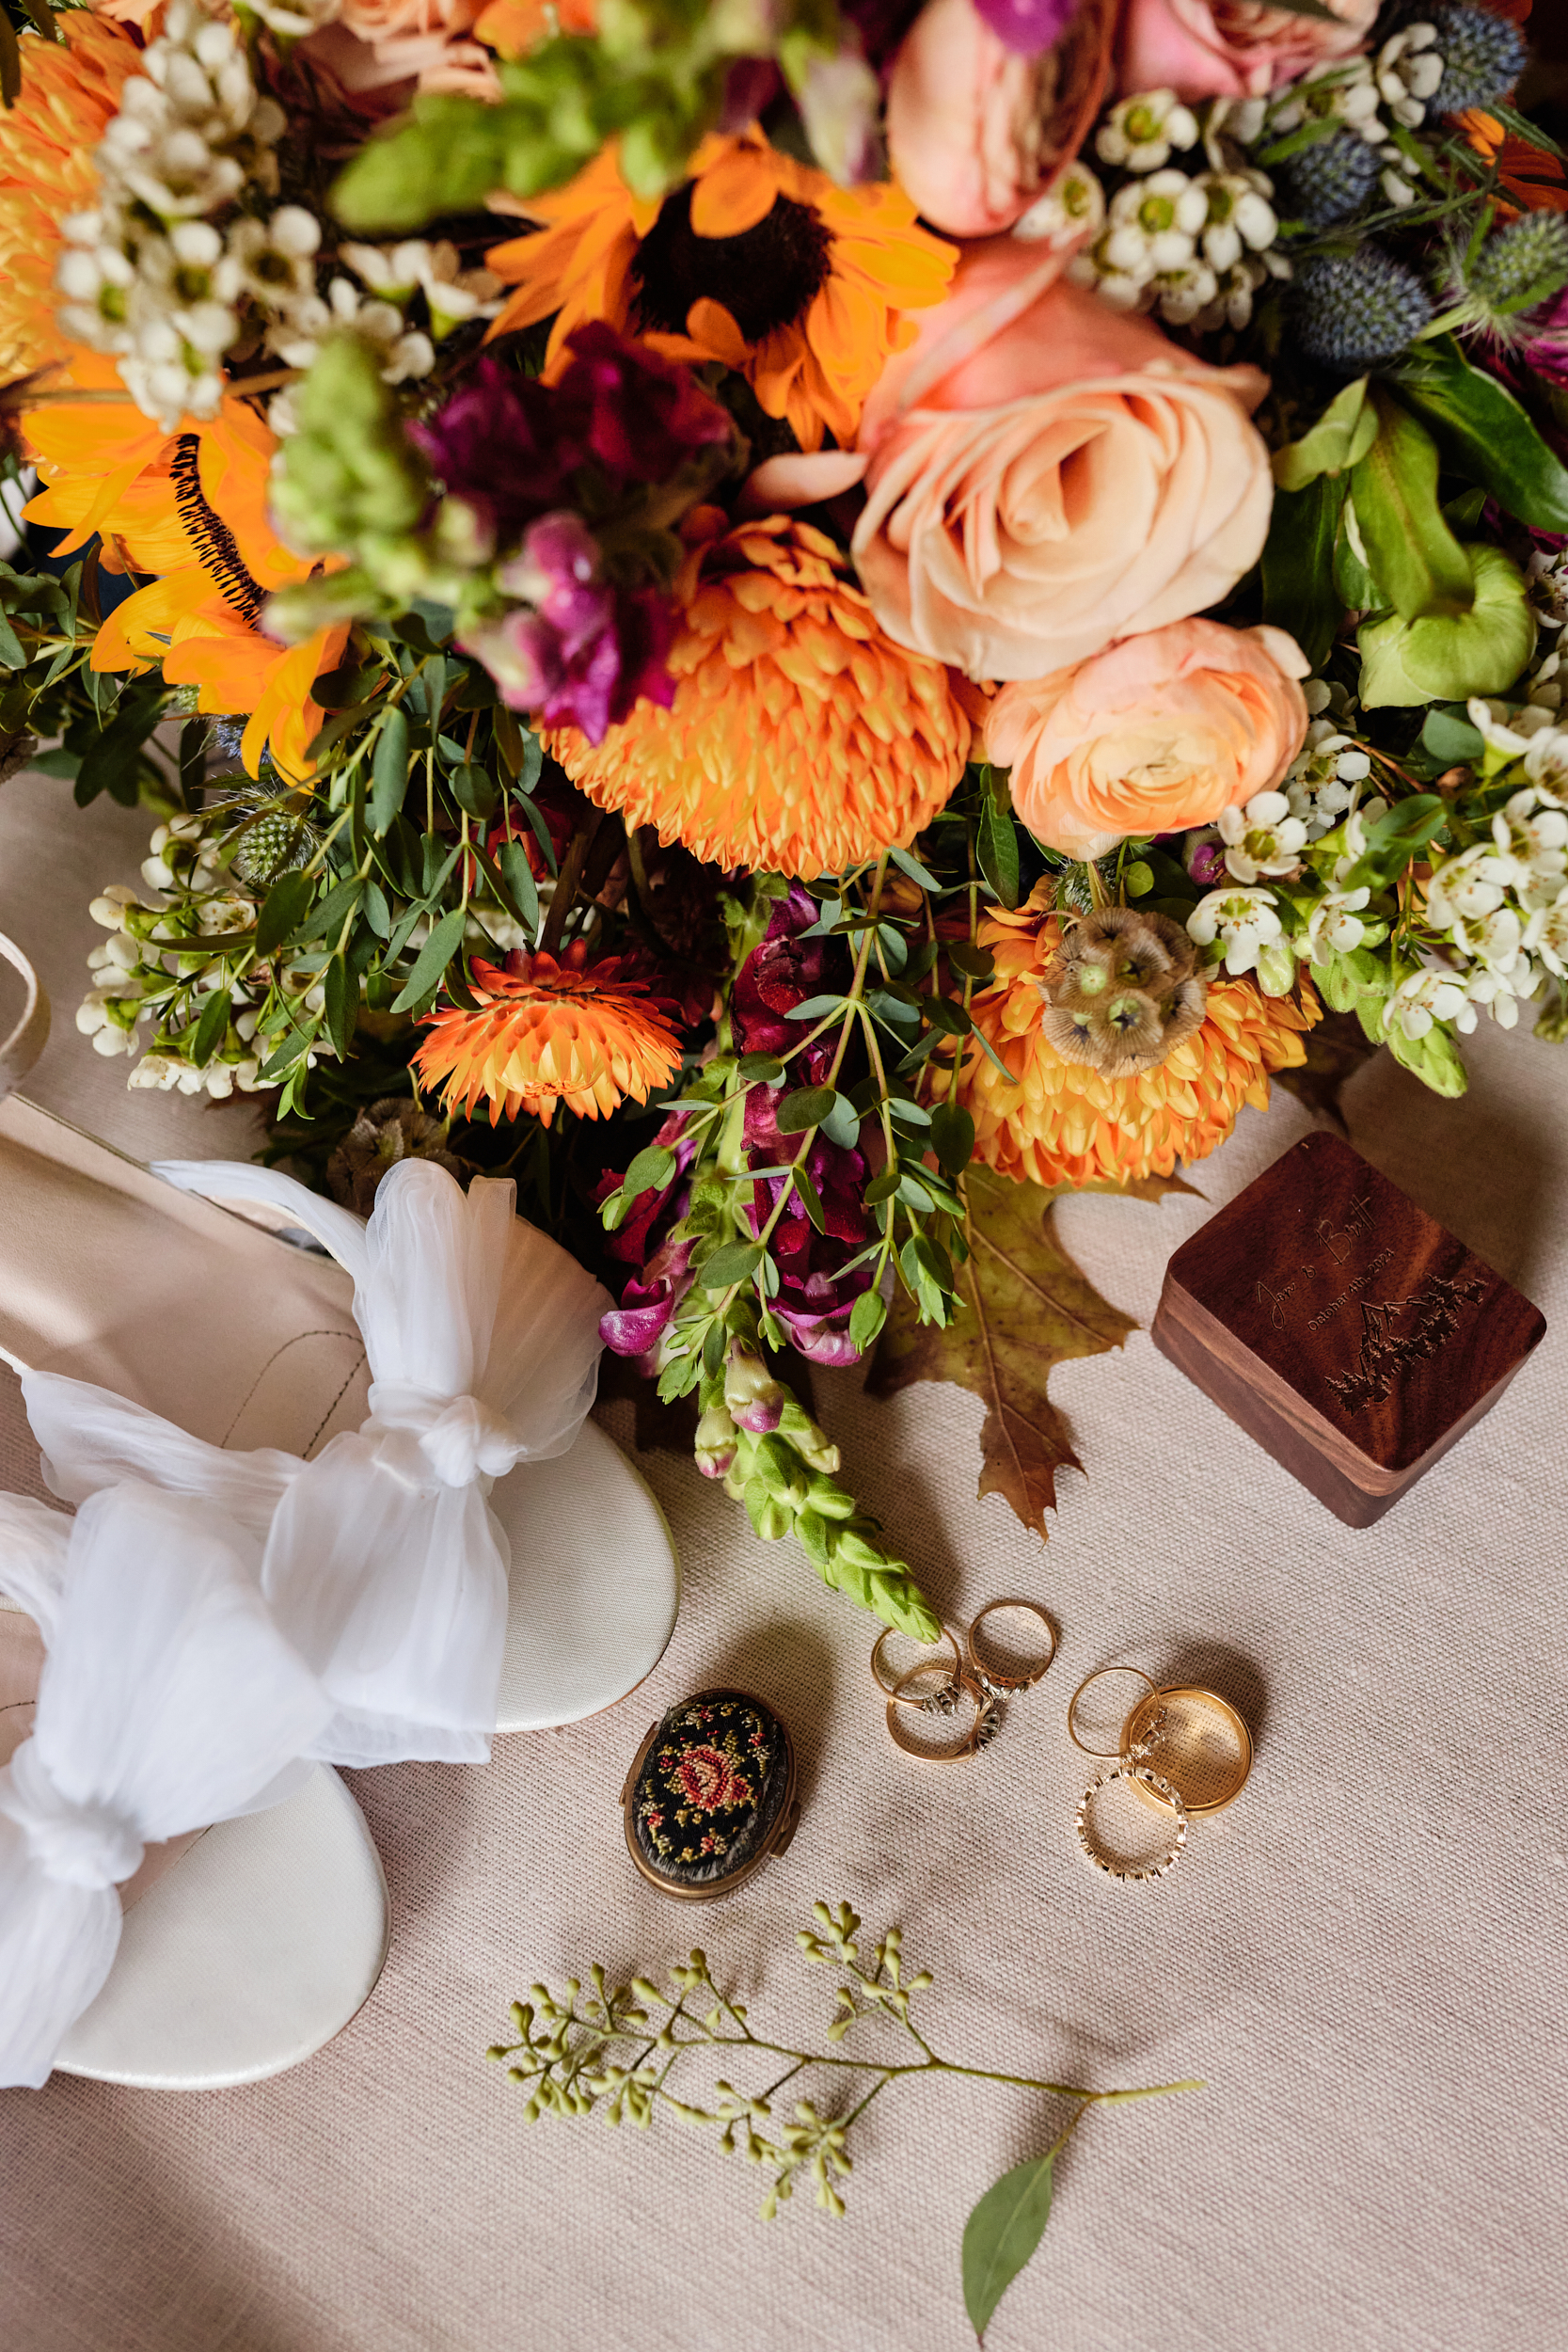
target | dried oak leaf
[
  {"x": 1026, "y": 1308},
  {"x": 1336, "y": 1049}
]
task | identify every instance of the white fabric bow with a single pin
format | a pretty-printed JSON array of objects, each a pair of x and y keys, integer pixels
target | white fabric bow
[
  {"x": 169, "y": 1700},
  {"x": 384, "y": 1562}
]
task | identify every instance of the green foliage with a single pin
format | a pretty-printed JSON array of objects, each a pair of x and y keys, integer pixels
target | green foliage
[
  {"x": 614, "y": 2050},
  {"x": 653, "y": 77},
  {"x": 1446, "y": 658},
  {"x": 1411, "y": 551},
  {"x": 1485, "y": 433}
]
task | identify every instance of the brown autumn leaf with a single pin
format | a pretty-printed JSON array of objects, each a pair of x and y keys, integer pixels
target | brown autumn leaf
[
  {"x": 1027, "y": 1307},
  {"x": 1336, "y": 1049}
]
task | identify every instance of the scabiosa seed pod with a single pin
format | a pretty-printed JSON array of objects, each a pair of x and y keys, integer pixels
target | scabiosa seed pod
[
  {"x": 1483, "y": 56},
  {"x": 1122, "y": 990},
  {"x": 1329, "y": 182},
  {"x": 1354, "y": 310},
  {"x": 1522, "y": 266}
]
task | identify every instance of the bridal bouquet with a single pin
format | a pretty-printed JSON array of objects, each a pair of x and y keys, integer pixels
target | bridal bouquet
[{"x": 804, "y": 623}]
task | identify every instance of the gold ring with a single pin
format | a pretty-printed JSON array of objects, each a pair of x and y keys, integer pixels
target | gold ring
[
  {"x": 899, "y": 1708},
  {"x": 993, "y": 1675},
  {"x": 1082, "y": 1744},
  {"x": 887, "y": 1689},
  {"x": 1199, "y": 1742},
  {"x": 1134, "y": 1775}
]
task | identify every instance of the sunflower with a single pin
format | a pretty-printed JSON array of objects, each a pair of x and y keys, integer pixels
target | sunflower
[
  {"x": 547, "y": 1032},
  {"x": 801, "y": 740},
  {"x": 190, "y": 508},
  {"x": 757, "y": 261},
  {"x": 1064, "y": 1122},
  {"x": 69, "y": 95}
]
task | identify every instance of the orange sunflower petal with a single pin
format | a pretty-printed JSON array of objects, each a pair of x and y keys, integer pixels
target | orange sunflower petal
[
  {"x": 818, "y": 368},
  {"x": 1059, "y": 1122},
  {"x": 801, "y": 740}
]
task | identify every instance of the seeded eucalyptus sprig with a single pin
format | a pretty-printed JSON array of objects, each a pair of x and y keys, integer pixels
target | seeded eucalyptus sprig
[{"x": 615, "y": 2048}]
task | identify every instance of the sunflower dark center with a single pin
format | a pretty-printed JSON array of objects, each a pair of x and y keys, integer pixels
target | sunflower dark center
[{"x": 766, "y": 279}]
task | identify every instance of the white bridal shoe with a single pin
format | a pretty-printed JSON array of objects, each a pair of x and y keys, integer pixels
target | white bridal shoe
[{"x": 144, "y": 1691}]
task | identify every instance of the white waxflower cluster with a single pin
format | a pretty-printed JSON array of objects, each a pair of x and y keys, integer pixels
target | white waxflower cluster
[
  {"x": 165, "y": 960},
  {"x": 1263, "y": 837},
  {"x": 144, "y": 276},
  {"x": 1374, "y": 97},
  {"x": 1495, "y": 907},
  {"x": 1547, "y": 578},
  {"x": 393, "y": 275},
  {"x": 1195, "y": 244},
  {"x": 1243, "y": 925},
  {"x": 1324, "y": 780}
]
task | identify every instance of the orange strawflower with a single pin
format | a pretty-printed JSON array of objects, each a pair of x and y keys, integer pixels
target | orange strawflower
[
  {"x": 801, "y": 740},
  {"x": 191, "y": 508},
  {"x": 757, "y": 261},
  {"x": 548, "y": 1032},
  {"x": 1067, "y": 1124},
  {"x": 69, "y": 95}
]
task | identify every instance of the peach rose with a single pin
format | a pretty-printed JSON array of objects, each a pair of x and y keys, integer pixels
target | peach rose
[
  {"x": 1230, "y": 48},
  {"x": 975, "y": 130},
  {"x": 1046, "y": 474},
  {"x": 1154, "y": 735}
]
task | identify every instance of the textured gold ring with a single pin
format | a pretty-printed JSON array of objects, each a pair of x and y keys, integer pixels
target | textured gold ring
[
  {"x": 1133, "y": 1773},
  {"x": 1072, "y": 1702},
  {"x": 889, "y": 1688},
  {"x": 993, "y": 1675},
  {"x": 901, "y": 1707}
]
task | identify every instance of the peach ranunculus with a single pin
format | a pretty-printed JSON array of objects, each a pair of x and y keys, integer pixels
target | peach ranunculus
[
  {"x": 1046, "y": 474},
  {"x": 1231, "y": 48},
  {"x": 1154, "y": 735},
  {"x": 374, "y": 52},
  {"x": 977, "y": 131}
]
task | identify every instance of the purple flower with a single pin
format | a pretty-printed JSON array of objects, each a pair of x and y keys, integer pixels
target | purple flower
[
  {"x": 816, "y": 1295},
  {"x": 581, "y": 653},
  {"x": 1205, "y": 859},
  {"x": 642, "y": 417},
  {"x": 1030, "y": 26},
  {"x": 778, "y": 974},
  {"x": 647, "y": 1308},
  {"x": 496, "y": 445}
]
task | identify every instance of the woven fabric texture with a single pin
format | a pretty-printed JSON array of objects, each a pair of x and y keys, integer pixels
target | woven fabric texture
[{"x": 1362, "y": 1958}]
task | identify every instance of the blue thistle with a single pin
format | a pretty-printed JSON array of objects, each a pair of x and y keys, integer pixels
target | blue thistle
[
  {"x": 1521, "y": 265},
  {"x": 1356, "y": 310},
  {"x": 1483, "y": 56},
  {"x": 1330, "y": 182}
]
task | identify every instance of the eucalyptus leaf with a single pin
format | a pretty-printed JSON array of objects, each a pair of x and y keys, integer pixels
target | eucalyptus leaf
[
  {"x": 732, "y": 1262},
  {"x": 388, "y": 770},
  {"x": 1000, "y": 2236},
  {"x": 908, "y": 864},
  {"x": 211, "y": 1029},
  {"x": 433, "y": 959},
  {"x": 650, "y": 1171},
  {"x": 808, "y": 1106},
  {"x": 1451, "y": 740}
]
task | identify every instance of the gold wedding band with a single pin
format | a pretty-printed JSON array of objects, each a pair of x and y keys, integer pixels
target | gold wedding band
[
  {"x": 899, "y": 1708},
  {"x": 994, "y": 1675},
  {"x": 888, "y": 1689},
  {"x": 1082, "y": 1744}
]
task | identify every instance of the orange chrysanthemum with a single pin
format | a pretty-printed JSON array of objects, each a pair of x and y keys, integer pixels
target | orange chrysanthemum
[
  {"x": 1066, "y": 1124},
  {"x": 572, "y": 1032},
  {"x": 801, "y": 740},
  {"x": 69, "y": 95},
  {"x": 757, "y": 261}
]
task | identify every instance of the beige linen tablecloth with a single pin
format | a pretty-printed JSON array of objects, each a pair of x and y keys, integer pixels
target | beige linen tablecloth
[{"x": 1365, "y": 1958}]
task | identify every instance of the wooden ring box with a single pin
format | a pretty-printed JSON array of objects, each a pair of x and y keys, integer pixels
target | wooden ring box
[{"x": 1341, "y": 1327}]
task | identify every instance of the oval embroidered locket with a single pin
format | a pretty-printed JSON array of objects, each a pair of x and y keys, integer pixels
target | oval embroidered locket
[{"x": 710, "y": 1795}]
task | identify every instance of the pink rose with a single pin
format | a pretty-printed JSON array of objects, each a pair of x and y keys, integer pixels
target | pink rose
[
  {"x": 975, "y": 129},
  {"x": 1046, "y": 474},
  {"x": 1230, "y": 48},
  {"x": 1154, "y": 735}
]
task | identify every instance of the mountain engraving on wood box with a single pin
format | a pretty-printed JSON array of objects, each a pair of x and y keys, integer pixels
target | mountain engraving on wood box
[{"x": 1341, "y": 1327}]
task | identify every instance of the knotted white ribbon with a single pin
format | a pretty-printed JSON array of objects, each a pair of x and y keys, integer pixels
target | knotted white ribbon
[
  {"x": 169, "y": 1700},
  {"x": 384, "y": 1564}
]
